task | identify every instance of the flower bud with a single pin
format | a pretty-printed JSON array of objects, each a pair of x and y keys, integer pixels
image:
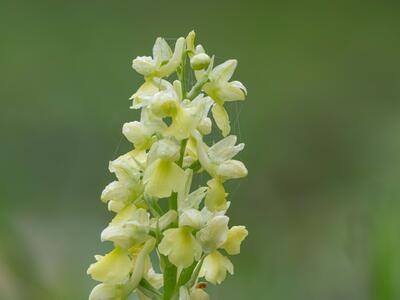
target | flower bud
[
  {"x": 200, "y": 61},
  {"x": 164, "y": 104},
  {"x": 205, "y": 126}
]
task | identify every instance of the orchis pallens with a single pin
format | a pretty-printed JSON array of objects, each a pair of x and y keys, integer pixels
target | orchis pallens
[{"x": 156, "y": 209}]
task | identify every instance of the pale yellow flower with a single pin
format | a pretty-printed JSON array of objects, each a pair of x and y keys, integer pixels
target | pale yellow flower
[
  {"x": 236, "y": 235},
  {"x": 162, "y": 178},
  {"x": 113, "y": 268},
  {"x": 165, "y": 149},
  {"x": 217, "y": 160},
  {"x": 163, "y": 62},
  {"x": 138, "y": 134},
  {"x": 219, "y": 88},
  {"x": 147, "y": 90},
  {"x": 215, "y": 266},
  {"x": 180, "y": 246},
  {"x": 128, "y": 187},
  {"x": 214, "y": 234},
  {"x": 189, "y": 116},
  {"x": 129, "y": 227}
]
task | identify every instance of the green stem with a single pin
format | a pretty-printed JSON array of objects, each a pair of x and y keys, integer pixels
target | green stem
[
  {"x": 169, "y": 275},
  {"x": 196, "y": 89},
  {"x": 182, "y": 152},
  {"x": 170, "y": 270},
  {"x": 173, "y": 201},
  {"x": 182, "y": 76}
]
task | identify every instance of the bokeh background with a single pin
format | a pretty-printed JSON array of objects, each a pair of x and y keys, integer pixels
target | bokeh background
[{"x": 321, "y": 125}]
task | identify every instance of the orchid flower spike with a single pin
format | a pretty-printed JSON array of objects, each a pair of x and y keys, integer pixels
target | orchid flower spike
[{"x": 156, "y": 209}]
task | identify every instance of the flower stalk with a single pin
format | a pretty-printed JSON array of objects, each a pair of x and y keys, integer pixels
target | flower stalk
[{"x": 191, "y": 237}]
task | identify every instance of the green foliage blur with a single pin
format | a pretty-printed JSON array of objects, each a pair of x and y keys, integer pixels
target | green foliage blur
[{"x": 321, "y": 125}]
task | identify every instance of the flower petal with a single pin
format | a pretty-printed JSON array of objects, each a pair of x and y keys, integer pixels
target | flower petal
[
  {"x": 129, "y": 227},
  {"x": 146, "y": 90},
  {"x": 221, "y": 118},
  {"x": 216, "y": 196},
  {"x": 225, "y": 149},
  {"x": 162, "y": 178},
  {"x": 191, "y": 217},
  {"x": 236, "y": 235},
  {"x": 224, "y": 71},
  {"x": 175, "y": 60},
  {"x": 230, "y": 92},
  {"x": 161, "y": 51},
  {"x": 165, "y": 149},
  {"x": 137, "y": 133}
]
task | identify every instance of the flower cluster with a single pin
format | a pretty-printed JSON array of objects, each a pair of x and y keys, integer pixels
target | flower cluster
[{"x": 156, "y": 210}]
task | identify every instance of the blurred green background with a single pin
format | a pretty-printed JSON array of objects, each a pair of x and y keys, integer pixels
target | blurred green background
[{"x": 321, "y": 125}]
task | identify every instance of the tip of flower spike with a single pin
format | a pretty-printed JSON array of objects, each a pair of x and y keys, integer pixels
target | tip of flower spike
[{"x": 190, "y": 42}]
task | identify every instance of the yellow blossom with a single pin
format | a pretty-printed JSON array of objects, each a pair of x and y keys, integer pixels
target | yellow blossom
[
  {"x": 112, "y": 268},
  {"x": 180, "y": 246},
  {"x": 215, "y": 266}
]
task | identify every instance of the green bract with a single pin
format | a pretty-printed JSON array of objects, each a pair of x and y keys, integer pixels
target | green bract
[{"x": 191, "y": 238}]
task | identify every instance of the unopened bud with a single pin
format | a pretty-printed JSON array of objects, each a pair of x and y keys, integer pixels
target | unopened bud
[{"x": 200, "y": 61}]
